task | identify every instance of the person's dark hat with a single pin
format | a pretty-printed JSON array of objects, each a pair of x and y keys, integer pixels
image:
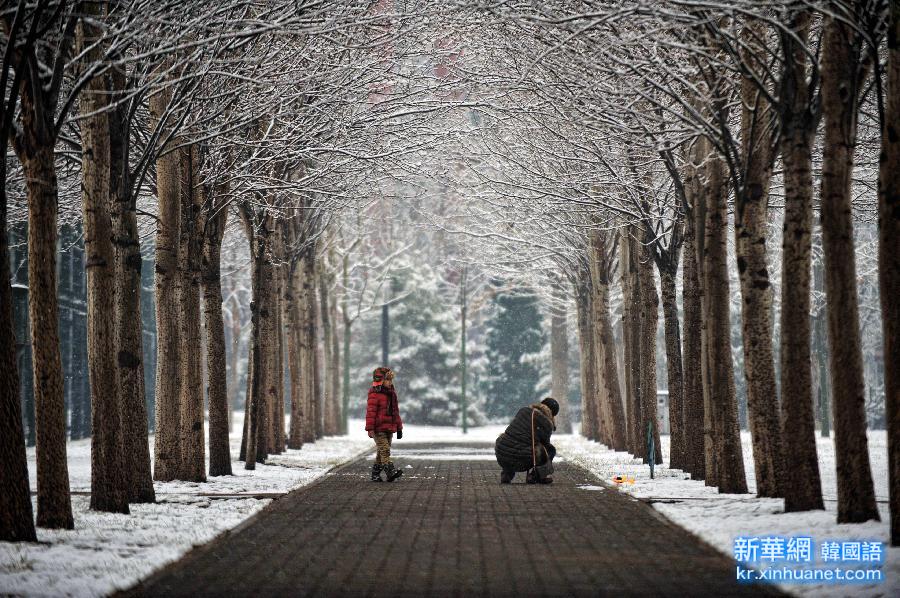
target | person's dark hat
[{"x": 552, "y": 404}]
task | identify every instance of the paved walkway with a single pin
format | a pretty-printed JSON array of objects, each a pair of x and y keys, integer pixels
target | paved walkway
[{"x": 448, "y": 528}]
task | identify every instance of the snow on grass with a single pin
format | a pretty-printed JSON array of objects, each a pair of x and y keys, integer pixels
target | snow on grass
[
  {"x": 719, "y": 518},
  {"x": 107, "y": 552}
]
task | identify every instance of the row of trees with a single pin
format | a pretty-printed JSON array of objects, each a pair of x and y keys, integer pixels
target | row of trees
[
  {"x": 609, "y": 146},
  {"x": 643, "y": 142},
  {"x": 184, "y": 118}
]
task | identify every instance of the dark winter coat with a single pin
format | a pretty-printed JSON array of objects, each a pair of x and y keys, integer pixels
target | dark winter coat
[
  {"x": 382, "y": 410},
  {"x": 513, "y": 447}
]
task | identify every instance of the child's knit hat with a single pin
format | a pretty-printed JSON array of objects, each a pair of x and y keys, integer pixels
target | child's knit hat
[{"x": 381, "y": 374}]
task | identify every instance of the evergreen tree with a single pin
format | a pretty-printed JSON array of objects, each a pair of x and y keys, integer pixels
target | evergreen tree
[
  {"x": 425, "y": 351},
  {"x": 515, "y": 334}
]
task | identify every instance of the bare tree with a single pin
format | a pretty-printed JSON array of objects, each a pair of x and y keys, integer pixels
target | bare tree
[{"x": 843, "y": 72}]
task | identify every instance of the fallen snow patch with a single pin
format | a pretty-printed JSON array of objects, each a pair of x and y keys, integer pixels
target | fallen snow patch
[
  {"x": 108, "y": 552},
  {"x": 719, "y": 518}
]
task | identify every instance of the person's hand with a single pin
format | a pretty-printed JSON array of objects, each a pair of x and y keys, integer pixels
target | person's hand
[
  {"x": 370, "y": 434},
  {"x": 399, "y": 434}
]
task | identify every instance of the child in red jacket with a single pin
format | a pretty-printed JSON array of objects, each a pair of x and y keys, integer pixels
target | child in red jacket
[{"x": 382, "y": 420}]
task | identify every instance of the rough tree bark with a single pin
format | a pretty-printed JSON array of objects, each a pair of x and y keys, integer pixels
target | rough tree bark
[
  {"x": 193, "y": 450},
  {"x": 16, "y": 514},
  {"x": 325, "y": 318},
  {"x": 167, "y": 448},
  {"x": 667, "y": 259},
  {"x": 674, "y": 371},
  {"x": 842, "y": 74},
  {"x": 802, "y": 490},
  {"x": 276, "y": 353},
  {"x": 295, "y": 353},
  {"x": 559, "y": 357},
  {"x": 34, "y": 148},
  {"x": 693, "y": 417},
  {"x": 889, "y": 261},
  {"x": 317, "y": 358},
  {"x": 602, "y": 419},
  {"x": 258, "y": 232},
  {"x": 607, "y": 367},
  {"x": 129, "y": 331},
  {"x": 724, "y": 452},
  {"x": 631, "y": 322},
  {"x": 263, "y": 367},
  {"x": 751, "y": 204},
  {"x": 307, "y": 336},
  {"x": 108, "y": 480},
  {"x": 219, "y": 450},
  {"x": 649, "y": 322},
  {"x": 588, "y": 360},
  {"x": 335, "y": 367}
]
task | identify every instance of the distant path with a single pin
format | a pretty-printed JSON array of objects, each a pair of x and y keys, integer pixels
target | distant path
[{"x": 448, "y": 528}]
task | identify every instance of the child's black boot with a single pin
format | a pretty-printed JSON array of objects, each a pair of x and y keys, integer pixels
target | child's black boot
[
  {"x": 376, "y": 472},
  {"x": 391, "y": 472}
]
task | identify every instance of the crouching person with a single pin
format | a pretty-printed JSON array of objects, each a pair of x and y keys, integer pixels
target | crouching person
[
  {"x": 382, "y": 420},
  {"x": 525, "y": 445}
]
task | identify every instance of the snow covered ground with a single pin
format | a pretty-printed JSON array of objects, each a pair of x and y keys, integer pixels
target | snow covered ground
[
  {"x": 107, "y": 552},
  {"x": 719, "y": 518}
]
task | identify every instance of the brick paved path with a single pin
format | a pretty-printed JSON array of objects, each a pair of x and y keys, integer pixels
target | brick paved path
[{"x": 448, "y": 528}]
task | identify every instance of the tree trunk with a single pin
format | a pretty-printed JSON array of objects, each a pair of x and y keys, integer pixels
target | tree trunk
[
  {"x": 840, "y": 78},
  {"x": 295, "y": 356},
  {"x": 193, "y": 465},
  {"x": 108, "y": 480},
  {"x": 605, "y": 344},
  {"x": 16, "y": 515},
  {"x": 889, "y": 261},
  {"x": 307, "y": 331},
  {"x": 347, "y": 330},
  {"x": 219, "y": 449},
  {"x": 693, "y": 418},
  {"x": 234, "y": 358},
  {"x": 278, "y": 424},
  {"x": 802, "y": 489},
  {"x": 751, "y": 204},
  {"x": 631, "y": 328},
  {"x": 54, "y": 507},
  {"x": 128, "y": 321},
  {"x": 167, "y": 448},
  {"x": 317, "y": 370},
  {"x": 559, "y": 358},
  {"x": 719, "y": 390},
  {"x": 820, "y": 339},
  {"x": 649, "y": 318},
  {"x": 610, "y": 371},
  {"x": 335, "y": 367},
  {"x": 710, "y": 448},
  {"x": 588, "y": 360},
  {"x": 325, "y": 318},
  {"x": 259, "y": 237},
  {"x": 264, "y": 368},
  {"x": 674, "y": 372},
  {"x": 601, "y": 416}
]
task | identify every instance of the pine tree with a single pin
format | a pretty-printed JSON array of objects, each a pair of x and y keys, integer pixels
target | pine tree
[
  {"x": 425, "y": 351},
  {"x": 515, "y": 333}
]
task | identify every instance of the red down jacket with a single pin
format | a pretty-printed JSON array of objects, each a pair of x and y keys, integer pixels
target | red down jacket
[{"x": 382, "y": 410}]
